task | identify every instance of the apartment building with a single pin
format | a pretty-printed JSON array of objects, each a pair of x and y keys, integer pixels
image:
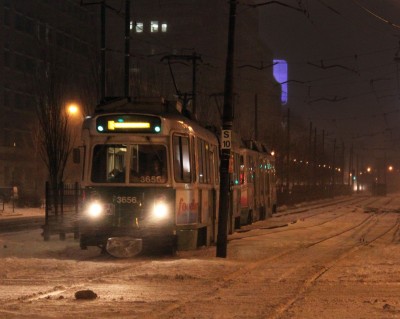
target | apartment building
[
  {"x": 27, "y": 30},
  {"x": 179, "y": 44}
]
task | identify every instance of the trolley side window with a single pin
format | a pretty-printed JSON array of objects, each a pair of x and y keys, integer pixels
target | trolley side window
[
  {"x": 216, "y": 164},
  {"x": 202, "y": 155},
  {"x": 193, "y": 159},
  {"x": 236, "y": 169},
  {"x": 182, "y": 167},
  {"x": 242, "y": 170},
  {"x": 205, "y": 161},
  {"x": 108, "y": 164}
]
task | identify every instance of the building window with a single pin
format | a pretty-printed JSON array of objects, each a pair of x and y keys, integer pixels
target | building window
[
  {"x": 139, "y": 27},
  {"x": 164, "y": 27},
  {"x": 154, "y": 26}
]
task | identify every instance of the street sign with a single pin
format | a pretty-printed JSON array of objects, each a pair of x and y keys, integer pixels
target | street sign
[{"x": 226, "y": 140}]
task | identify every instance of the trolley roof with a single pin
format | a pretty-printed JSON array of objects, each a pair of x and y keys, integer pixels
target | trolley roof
[{"x": 170, "y": 112}]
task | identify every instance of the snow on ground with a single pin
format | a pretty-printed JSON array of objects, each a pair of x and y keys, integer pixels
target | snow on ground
[{"x": 337, "y": 261}]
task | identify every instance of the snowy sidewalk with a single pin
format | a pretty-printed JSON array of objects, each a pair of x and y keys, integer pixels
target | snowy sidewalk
[{"x": 14, "y": 212}]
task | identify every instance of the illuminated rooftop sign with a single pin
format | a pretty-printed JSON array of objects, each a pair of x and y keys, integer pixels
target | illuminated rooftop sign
[
  {"x": 112, "y": 125},
  {"x": 128, "y": 123},
  {"x": 281, "y": 75}
]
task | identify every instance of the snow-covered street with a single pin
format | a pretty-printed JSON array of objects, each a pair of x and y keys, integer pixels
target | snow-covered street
[{"x": 338, "y": 260}]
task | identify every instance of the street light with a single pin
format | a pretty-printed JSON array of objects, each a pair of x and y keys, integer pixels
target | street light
[{"x": 72, "y": 109}]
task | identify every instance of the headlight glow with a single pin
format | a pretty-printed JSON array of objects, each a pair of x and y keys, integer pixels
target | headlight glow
[
  {"x": 160, "y": 210},
  {"x": 95, "y": 210}
]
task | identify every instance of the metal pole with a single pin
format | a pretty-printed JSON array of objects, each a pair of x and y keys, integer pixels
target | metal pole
[
  {"x": 103, "y": 51},
  {"x": 227, "y": 124},
  {"x": 288, "y": 151},
  {"x": 256, "y": 117},
  {"x": 309, "y": 157},
  {"x": 315, "y": 158},
  {"x": 127, "y": 44},
  {"x": 333, "y": 168},
  {"x": 194, "y": 98}
]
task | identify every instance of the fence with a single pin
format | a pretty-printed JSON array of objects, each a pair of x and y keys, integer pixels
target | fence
[{"x": 61, "y": 210}]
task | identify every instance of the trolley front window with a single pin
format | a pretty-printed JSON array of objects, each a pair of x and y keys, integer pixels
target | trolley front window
[
  {"x": 108, "y": 164},
  {"x": 148, "y": 164}
]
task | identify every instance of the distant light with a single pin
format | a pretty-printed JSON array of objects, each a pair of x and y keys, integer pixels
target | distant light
[
  {"x": 154, "y": 26},
  {"x": 280, "y": 71},
  {"x": 139, "y": 27}
]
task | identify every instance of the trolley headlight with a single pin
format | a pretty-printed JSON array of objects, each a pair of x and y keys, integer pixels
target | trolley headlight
[
  {"x": 95, "y": 210},
  {"x": 160, "y": 210}
]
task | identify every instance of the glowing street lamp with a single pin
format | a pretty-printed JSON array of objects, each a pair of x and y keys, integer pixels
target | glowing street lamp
[
  {"x": 369, "y": 169},
  {"x": 390, "y": 168},
  {"x": 72, "y": 109}
]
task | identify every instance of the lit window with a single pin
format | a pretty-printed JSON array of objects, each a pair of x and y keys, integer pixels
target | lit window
[
  {"x": 131, "y": 25},
  {"x": 139, "y": 27},
  {"x": 164, "y": 27},
  {"x": 154, "y": 26}
]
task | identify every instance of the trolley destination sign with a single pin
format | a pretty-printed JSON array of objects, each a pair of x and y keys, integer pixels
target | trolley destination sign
[{"x": 128, "y": 123}]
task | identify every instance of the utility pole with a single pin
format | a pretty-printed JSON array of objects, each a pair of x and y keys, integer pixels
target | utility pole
[
  {"x": 309, "y": 157},
  {"x": 103, "y": 52},
  {"x": 350, "y": 176},
  {"x": 333, "y": 168},
  {"x": 343, "y": 162},
  {"x": 288, "y": 151},
  {"x": 357, "y": 173},
  {"x": 103, "y": 7},
  {"x": 227, "y": 125},
  {"x": 193, "y": 58},
  {"x": 314, "y": 179},
  {"x": 256, "y": 117},
  {"x": 127, "y": 45},
  {"x": 323, "y": 158},
  {"x": 194, "y": 88},
  {"x": 103, "y": 49}
]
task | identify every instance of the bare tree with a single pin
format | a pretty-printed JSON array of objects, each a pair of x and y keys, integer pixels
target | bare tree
[{"x": 55, "y": 142}]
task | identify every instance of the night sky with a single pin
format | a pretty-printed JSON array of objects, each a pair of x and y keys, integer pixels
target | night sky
[{"x": 343, "y": 74}]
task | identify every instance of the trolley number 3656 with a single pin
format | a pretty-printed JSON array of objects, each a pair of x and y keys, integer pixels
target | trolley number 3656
[{"x": 125, "y": 199}]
